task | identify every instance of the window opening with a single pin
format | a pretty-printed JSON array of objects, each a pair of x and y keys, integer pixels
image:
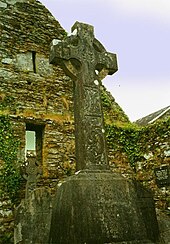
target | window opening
[
  {"x": 34, "y": 61},
  {"x": 30, "y": 141},
  {"x": 34, "y": 141}
]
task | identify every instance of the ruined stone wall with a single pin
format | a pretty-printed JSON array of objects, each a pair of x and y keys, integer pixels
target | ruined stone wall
[
  {"x": 155, "y": 146},
  {"x": 136, "y": 152},
  {"x": 32, "y": 91},
  {"x": 35, "y": 93}
]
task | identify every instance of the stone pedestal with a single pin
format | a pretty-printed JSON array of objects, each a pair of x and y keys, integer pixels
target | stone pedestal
[
  {"x": 33, "y": 217},
  {"x": 102, "y": 207}
]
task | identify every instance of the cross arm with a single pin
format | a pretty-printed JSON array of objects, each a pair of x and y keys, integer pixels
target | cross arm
[
  {"x": 65, "y": 53},
  {"x": 57, "y": 53},
  {"x": 106, "y": 62}
]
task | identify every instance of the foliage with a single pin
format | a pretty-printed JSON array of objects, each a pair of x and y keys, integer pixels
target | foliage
[
  {"x": 154, "y": 136},
  {"x": 144, "y": 148},
  {"x": 6, "y": 101},
  {"x": 125, "y": 139},
  {"x": 136, "y": 141},
  {"x": 106, "y": 101},
  {"x": 10, "y": 173},
  {"x": 7, "y": 238}
]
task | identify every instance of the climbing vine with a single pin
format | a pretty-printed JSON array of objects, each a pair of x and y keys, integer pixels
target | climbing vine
[
  {"x": 135, "y": 141},
  {"x": 9, "y": 173},
  {"x": 5, "y": 101},
  {"x": 125, "y": 139},
  {"x": 106, "y": 100}
]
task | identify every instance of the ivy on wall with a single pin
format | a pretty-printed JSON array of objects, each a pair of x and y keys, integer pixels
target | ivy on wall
[
  {"x": 6, "y": 101},
  {"x": 125, "y": 139},
  {"x": 10, "y": 173},
  {"x": 136, "y": 141},
  {"x": 147, "y": 147}
]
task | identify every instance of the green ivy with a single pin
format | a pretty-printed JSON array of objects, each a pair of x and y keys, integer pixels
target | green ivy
[
  {"x": 10, "y": 173},
  {"x": 134, "y": 140},
  {"x": 106, "y": 101},
  {"x": 125, "y": 138},
  {"x": 7, "y": 238},
  {"x": 6, "y": 103}
]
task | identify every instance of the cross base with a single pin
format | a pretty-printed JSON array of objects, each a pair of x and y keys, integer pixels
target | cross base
[{"x": 102, "y": 207}]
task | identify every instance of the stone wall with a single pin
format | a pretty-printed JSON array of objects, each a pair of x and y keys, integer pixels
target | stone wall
[
  {"x": 137, "y": 151},
  {"x": 32, "y": 91},
  {"x": 36, "y": 95},
  {"x": 6, "y": 220}
]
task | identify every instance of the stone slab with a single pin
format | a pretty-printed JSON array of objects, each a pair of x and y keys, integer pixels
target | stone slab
[
  {"x": 33, "y": 217},
  {"x": 100, "y": 207}
]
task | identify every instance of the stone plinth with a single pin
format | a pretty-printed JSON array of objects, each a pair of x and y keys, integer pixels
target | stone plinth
[
  {"x": 102, "y": 207},
  {"x": 33, "y": 217}
]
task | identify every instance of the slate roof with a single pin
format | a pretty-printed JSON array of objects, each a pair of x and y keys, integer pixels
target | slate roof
[{"x": 151, "y": 118}]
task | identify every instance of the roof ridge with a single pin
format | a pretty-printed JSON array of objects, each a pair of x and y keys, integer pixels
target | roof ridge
[{"x": 150, "y": 118}]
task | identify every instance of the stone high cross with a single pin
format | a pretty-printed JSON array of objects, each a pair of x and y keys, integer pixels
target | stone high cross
[
  {"x": 32, "y": 173},
  {"x": 86, "y": 61}
]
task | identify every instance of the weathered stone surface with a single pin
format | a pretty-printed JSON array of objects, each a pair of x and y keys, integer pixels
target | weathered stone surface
[
  {"x": 3, "y": 5},
  {"x": 102, "y": 207},
  {"x": 86, "y": 61},
  {"x": 32, "y": 90},
  {"x": 32, "y": 218},
  {"x": 6, "y": 219},
  {"x": 24, "y": 62},
  {"x": 147, "y": 207},
  {"x": 31, "y": 174},
  {"x": 164, "y": 226}
]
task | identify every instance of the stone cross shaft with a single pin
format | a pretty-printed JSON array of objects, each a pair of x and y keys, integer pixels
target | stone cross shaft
[{"x": 86, "y": 61}]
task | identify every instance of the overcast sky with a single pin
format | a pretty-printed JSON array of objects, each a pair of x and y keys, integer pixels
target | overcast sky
[{"x": 138, "y": 31}]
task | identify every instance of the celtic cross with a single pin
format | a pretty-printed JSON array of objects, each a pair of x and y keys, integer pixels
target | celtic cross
[
  {"x": 86, "y": 61},
  {"x": 31, "y": 174}
]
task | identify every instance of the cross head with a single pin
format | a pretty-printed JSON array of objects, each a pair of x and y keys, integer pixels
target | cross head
[{"x": 31, "y": 175}]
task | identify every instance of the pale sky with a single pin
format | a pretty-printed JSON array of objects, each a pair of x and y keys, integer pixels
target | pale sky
[{"x": 138, "y": 31}]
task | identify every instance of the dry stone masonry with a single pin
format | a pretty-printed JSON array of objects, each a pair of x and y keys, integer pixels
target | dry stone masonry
[{"x": 36, "y": 96}]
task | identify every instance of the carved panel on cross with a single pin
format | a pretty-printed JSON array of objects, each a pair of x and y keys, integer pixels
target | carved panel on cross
[
  {"x": 95, "y": 148},
  {"x": 92, "y": 103}
]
